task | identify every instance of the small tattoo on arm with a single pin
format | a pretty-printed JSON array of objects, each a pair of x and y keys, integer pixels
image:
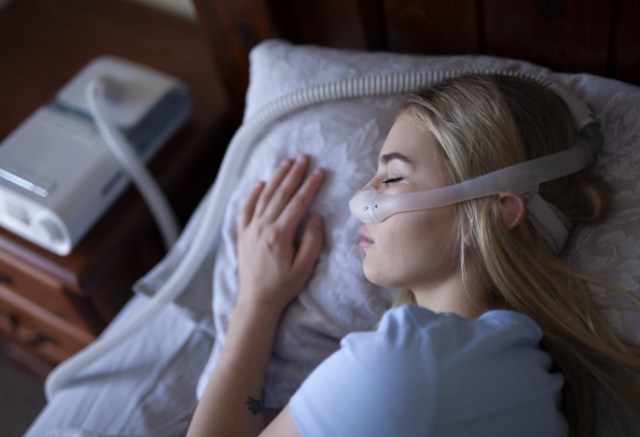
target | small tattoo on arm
[{"x": 254, "y": 405}]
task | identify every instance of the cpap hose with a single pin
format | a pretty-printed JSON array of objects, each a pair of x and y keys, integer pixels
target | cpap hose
[
  {"x": 217, "y": 197},
  {"x": 129, "y": 160}
]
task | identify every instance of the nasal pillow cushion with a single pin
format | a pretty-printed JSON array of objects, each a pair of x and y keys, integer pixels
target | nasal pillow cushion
[{"x": 344, "y": 137}]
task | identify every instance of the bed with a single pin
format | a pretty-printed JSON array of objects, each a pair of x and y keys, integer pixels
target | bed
[{"x": 149, "y": 384}]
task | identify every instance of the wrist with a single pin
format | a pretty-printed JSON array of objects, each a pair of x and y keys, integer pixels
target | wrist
[
  {"x": 257, "y": 310},
  {"x": 258, "y": 299}
]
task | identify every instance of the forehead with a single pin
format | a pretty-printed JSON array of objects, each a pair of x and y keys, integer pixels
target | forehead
[{"x": 407, "y": 138}]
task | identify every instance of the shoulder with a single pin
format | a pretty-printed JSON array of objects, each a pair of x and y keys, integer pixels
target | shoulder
[
  {"x": 414, "y": 341},
  {"x": 378, "y": 383},
  {"x": 467, "y": 353},
  {"x": 445, "y": 333},
  {"x": 493, "y": 366},
  {"x": 424, "y": 371}
]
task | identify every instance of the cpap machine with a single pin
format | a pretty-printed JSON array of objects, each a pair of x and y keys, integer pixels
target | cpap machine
[{"x": 65, "y": 165}]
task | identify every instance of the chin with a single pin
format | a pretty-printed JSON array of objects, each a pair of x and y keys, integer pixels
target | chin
[{"x": 372, "y": 275}]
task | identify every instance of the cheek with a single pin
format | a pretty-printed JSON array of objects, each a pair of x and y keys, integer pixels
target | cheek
[
  {"x": 410, "y": 247},
  {"x": 423, "y": 234}
]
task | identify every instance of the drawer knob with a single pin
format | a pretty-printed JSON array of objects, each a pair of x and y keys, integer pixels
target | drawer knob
[
  {"x": 24, "y": 335},
  {"x": 5, "y": 279}
]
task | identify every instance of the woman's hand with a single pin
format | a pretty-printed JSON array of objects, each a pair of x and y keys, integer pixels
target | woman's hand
[
  {"x": 272, "y": 270},
  {"x": 272, "y": 266}
]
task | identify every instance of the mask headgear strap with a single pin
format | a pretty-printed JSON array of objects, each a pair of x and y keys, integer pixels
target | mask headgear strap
[
  {"x": 545, "y": 217},
  {"x": 548, "y": 221}
]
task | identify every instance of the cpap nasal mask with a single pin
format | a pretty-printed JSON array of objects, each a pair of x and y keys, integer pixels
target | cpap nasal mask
[{"x": 369, "y": 206}]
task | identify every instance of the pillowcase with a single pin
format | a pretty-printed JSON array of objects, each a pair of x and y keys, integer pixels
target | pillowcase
[{"x": 344, "y": 137}]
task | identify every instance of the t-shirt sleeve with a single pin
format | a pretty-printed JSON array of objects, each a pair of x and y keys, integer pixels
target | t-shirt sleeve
[{"x": 371, "y": 386}]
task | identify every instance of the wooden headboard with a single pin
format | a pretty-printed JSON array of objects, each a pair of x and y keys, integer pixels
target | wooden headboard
[{"x": 595, "y": 36}]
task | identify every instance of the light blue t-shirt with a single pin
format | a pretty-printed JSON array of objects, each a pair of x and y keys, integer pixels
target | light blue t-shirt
[{"x": 428, "y": 374}]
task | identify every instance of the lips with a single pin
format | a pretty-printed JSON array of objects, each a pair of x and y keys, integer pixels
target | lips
[{"x": 365, "y": 239}]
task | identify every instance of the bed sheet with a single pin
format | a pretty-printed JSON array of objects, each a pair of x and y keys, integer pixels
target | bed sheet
[{"x": 144, "y": 387}]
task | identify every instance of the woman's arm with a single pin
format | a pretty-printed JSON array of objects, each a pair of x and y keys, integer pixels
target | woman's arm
[{"x": 272, "y": 269}]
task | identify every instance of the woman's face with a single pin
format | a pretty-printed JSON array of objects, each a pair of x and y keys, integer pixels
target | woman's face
[{"x": 415, "y": 250}]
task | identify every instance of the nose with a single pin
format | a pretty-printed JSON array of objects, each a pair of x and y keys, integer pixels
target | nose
[{"x": 363, "y": 205}]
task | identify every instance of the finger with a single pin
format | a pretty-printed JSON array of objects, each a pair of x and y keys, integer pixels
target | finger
[
  {"x": 273, "y": 184},
  {"x": 299, "y": 204},
  {"x": 310, "y": 246},
  {"x": 286, "y": 189},
  {"x": 246, "y": 213}
]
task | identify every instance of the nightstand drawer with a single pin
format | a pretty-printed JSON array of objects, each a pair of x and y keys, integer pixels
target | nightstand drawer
[
  {"x": 38, "y": 331},
  {"x": 40, "y": 288}
]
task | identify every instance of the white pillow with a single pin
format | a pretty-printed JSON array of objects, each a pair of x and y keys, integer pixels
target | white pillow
[{"x": 344, "y": 137}]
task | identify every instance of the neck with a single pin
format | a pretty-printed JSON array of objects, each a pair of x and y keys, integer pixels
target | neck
[{"x": 454, "y": 296}]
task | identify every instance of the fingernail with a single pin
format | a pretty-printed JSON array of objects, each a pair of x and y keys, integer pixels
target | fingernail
[
  {"x": 301, "y": 159},
  {"x": 285, "y": 162},
  {"x": 318, "y": 172},
  {"x": 316, "y": 220}
]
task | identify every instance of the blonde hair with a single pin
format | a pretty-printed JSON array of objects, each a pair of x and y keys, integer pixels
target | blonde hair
[{"x": 483, "y": 123}]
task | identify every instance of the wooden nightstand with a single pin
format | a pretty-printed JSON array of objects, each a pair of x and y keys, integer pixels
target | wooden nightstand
[{"x": 52, "y": 306}]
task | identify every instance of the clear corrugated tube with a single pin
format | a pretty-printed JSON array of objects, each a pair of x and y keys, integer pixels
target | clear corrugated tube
[{"x": 129, "y": 160}]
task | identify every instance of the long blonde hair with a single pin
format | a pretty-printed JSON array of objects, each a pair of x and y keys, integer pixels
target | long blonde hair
[{"x": 484, "y": 123}]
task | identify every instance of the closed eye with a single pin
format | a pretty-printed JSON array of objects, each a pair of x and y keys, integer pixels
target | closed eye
[{"x": 390, "y": 181}]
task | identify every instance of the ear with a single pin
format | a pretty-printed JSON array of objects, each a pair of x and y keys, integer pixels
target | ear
[{"x": 513, "y": 208}]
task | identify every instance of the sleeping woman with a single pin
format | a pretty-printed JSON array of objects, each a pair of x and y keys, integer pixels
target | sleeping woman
[{"x": 492, "y": 334}]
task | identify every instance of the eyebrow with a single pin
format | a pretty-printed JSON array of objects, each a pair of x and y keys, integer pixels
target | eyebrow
[{"x": 394, "y": 155}]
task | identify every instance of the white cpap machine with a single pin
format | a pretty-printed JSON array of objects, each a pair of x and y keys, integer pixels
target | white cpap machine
[{"x": 62, "y": 168}]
